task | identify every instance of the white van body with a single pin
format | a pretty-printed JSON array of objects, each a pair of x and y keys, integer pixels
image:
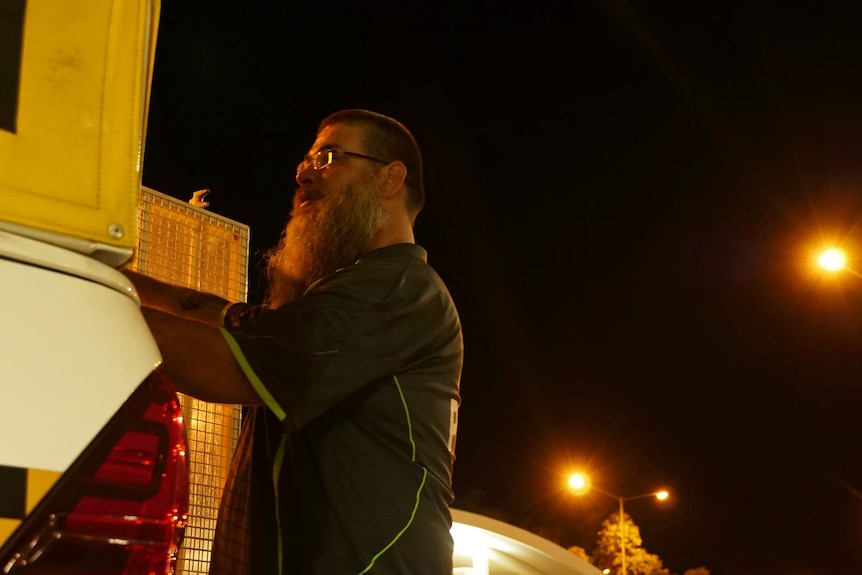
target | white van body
[
  {"x": 93, "y": 469},
  {"x": 74, "y": 346}
]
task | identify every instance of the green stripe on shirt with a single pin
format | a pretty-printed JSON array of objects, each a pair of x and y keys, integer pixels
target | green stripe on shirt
[{"x": 256, "y": 383}]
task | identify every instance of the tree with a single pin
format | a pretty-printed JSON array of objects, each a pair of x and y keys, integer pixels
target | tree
[
  {"x": 607, "y": 552},
  {"x": 644, "y": 563},
  {"x": 639, "y": 561},
  {"x": 579, "y": 551}
]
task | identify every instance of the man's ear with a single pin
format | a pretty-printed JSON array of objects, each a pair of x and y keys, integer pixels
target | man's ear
[{"x": 393, "y": 177}]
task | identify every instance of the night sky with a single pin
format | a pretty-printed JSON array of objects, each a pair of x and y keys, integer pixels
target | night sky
[{"x": 624, "y": 199}]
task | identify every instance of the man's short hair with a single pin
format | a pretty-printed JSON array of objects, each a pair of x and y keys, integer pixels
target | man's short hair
[{"x": 388, "y": 139}]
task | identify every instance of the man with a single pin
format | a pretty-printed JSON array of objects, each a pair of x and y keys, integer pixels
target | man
[{"x": 354, "y": 360}]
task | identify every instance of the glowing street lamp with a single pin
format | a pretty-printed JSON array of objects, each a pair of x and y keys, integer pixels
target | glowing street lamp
[
  {"x": 580, "y": 484},
  {"x": 832, "y": 260}
]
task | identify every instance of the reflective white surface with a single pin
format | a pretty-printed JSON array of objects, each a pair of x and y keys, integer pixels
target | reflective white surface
[{"x": 73, "y": 347}]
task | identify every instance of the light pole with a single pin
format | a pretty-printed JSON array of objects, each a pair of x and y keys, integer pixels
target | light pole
[{"x": 580, "y": 484}]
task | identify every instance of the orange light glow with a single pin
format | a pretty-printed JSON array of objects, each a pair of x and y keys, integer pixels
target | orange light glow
[
  {"x": 578, "y": 482},
  {"x": 832, "y": 259}
]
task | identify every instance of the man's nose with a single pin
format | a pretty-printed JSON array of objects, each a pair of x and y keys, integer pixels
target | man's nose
[{"x": 304, "y": 173}]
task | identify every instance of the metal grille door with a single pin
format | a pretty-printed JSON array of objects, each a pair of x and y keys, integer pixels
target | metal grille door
[{"x": 188, "y": 246}]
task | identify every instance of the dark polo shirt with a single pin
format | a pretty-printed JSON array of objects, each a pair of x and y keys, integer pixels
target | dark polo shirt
[{"x": 348, "y": 468}]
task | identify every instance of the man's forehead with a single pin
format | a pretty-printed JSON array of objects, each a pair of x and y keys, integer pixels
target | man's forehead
[{"x": 343, "y": 136}]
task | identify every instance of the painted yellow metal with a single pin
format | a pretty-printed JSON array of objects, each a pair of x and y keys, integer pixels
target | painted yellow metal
[
  {"x": 32, "y": 487},
  {"x": 71, "y": 161},
  {"x": 7, "y": 527},
  {"x": 72, "y": 145}
]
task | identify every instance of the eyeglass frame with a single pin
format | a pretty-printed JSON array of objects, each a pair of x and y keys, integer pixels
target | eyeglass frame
[{"x": 315, "y": 163}]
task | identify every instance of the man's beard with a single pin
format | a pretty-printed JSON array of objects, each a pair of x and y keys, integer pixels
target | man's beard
[{"x": 319, "y": 239}]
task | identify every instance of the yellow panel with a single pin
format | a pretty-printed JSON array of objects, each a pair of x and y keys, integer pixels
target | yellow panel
[
  {"x": 73, "y": 164},
  {"x": 38, "y": 484},
  {"x": 7, "y": 526}
]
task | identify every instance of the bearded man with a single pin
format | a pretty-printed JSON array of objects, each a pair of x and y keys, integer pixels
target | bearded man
[{"x": 351, "y": 368}]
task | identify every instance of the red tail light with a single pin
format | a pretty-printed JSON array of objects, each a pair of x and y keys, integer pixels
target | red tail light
[{"x": 121, "y": 508}]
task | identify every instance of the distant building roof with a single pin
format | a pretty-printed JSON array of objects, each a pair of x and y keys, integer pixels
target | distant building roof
[{"x": 486, "y": 546}]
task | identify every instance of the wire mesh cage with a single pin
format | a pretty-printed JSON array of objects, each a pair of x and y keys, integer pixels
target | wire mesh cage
[{"x": 186, "y": 245}]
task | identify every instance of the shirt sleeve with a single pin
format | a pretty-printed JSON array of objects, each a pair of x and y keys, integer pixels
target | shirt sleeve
[{"x": 360, "y": 324}]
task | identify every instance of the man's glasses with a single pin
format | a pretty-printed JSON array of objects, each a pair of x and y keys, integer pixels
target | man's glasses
[{"x": 323, "y": 158}]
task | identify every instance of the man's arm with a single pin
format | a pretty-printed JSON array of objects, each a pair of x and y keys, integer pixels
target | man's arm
[
  {"x": 196, "y": 356},
  {"x": 198, "y": 360},
  {"x": 180, "y": 301}
]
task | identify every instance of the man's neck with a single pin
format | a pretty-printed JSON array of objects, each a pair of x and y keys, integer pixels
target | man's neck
[{"x": 390, "y": 235}]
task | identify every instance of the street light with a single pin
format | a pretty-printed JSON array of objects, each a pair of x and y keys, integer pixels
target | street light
[
  {"x": 836, "y": 261},
  {"x": 580, "y": 484},
  {"x": 832, "y": 260}
]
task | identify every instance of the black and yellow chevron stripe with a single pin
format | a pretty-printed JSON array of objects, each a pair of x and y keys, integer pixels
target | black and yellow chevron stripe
[{"x": 20, "y": 490}]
